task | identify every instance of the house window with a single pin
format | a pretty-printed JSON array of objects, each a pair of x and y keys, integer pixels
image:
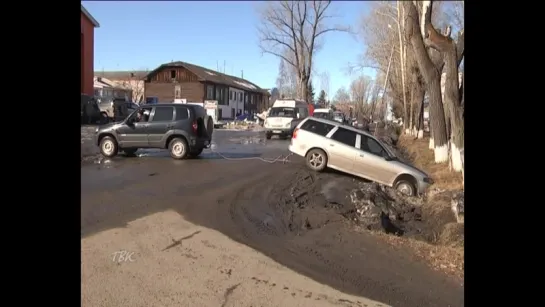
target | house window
[
  {"x": 218, "y": 94},
  {"x": 210, "y": 92},
  {"x": 230, "y": 95},
  {"x": 240, "y": 97},
  {"x": 173, "y": 74},
  {"x": 223, "y": 100},
  {"x": 246, "y": 97}
]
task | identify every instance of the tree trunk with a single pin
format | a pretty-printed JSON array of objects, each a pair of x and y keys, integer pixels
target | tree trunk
[
  {"x": 419, "y": 101},
  {"x": 420, "y": 133},
  {"x": 452, "y": 101},
  {"x": 432, "y": 143},
  {"x": 433, "y": 81}
]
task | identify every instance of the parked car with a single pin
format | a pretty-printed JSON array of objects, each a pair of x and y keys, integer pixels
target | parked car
[
  {"x": 184, "y": 129},
  {"x": 326, "y": 143}
]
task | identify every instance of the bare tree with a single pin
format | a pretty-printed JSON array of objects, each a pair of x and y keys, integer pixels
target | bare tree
[
  {"x": 324, "y": 83},
  {"x": 342, "y": 96},
  {"x": 359, "y": 88},
  {"x": 285, "y": 82},
  {"x": 292, "y": 30},
  {"x": 135, "y": 82},
  {"x": 421, "y": 33}
]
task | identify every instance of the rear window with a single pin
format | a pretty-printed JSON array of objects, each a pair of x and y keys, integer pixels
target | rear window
[
  {"x": 181, "y": 113},
  {"x": 317, "y": 127}
]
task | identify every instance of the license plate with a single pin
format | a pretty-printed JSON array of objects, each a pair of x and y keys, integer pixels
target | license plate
[{"x": 277, "y": 131}]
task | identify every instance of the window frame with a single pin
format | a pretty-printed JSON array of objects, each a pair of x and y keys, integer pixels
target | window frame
[
  {"x": 361, "y": 137},
  {"x": 152, "y": 116},
  {"x": 338, "y": 128}
]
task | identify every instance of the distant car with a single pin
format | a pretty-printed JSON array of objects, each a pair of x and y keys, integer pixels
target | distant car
[
  {"x": 325, "y": 143},
  {"x": 185, "y": 130}
]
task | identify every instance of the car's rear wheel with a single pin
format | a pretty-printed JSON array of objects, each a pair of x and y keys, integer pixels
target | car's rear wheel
[
  {"x": 405, "y": 187},
  {"x": 108, "y": 147},
  {"x": 316, "y": 160},
  {"x": 195, "y": 153},
  {"x": 178, "y": 148},
  {"x": 268, "y": 136}
]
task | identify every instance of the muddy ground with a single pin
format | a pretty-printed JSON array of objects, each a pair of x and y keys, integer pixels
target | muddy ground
[{"x": 303, "y": 220}]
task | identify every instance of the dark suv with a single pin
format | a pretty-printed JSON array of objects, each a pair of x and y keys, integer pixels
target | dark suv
[{"x": 185, "y": 130}]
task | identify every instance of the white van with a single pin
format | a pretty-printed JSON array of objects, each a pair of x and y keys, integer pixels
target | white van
[
  {"x": 284, "y": 116},
  {"x": 324, "y": 113}
]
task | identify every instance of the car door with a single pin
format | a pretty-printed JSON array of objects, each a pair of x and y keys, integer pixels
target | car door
[
  {"x": 342, "y": 149},
  {"x": 161, "y": 121},
  {"x": 371, "y": 161},
  {"x": 133, "y": 134}
]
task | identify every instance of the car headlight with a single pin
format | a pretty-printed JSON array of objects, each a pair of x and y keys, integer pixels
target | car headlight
[
  {"x": 287, "y": 125},
  {"x": 96, "y": 130},
  {"x": 428, "y": 180}
]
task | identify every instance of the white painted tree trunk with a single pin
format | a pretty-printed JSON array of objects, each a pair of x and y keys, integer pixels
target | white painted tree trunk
[
  {"x": 441, "y": 154},
  {"x": 420, "y": 134},
  {"x": 432, "y": 143},
  {"x": 408, "y": 131},
  {"x": 462, "y": 158},
  {"x": 425, "y": 7},
  {"x": 456, "y": 156}
]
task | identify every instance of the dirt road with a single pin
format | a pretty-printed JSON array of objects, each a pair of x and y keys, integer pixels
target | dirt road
[{"x": 212, "y": 232}]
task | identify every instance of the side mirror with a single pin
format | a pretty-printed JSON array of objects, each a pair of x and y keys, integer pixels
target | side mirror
[{"x": 130, "y": 121}]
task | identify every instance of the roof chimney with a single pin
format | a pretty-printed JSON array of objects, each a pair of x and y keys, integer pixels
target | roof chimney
[{"x": 242, "y": 74}]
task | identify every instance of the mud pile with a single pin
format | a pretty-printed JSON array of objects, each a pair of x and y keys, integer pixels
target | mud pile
[
  {"x": 382, "y": 208},
  {"x": 311, "y": 201}
]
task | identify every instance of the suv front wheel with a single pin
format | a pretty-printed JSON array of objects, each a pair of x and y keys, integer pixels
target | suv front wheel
[
  {"x": 178, "y": 148},
  {"x": 108, "y": 147}
]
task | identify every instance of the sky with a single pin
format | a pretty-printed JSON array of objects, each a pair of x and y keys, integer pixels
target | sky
[{"x": 142, "y": 35}]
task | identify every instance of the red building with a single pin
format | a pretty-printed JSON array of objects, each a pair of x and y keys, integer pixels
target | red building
[{"x": 87, "y": 39}]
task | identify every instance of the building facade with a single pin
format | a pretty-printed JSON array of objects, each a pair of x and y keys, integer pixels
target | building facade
[
  {"x": 87, "y": 42},
  {"x": 181, "y": 80}
]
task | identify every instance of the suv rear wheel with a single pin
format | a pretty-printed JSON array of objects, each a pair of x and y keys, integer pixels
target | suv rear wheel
[
  {"x": 178, "y": 148},
  {"x": 316, "y": 160},
  {"x": 195, "y": 153},
  {"x": 108, "y": 147}
]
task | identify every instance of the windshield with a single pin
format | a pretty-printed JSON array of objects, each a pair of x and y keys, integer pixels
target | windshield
[
  {"x": 321, "y": 115},
  {"x": 282, "y": 112}
]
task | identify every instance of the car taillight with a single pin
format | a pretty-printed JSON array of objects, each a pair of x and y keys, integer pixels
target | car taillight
[
  {"x": 195, "y": 127},
  {"x": 295, "y": 133}
]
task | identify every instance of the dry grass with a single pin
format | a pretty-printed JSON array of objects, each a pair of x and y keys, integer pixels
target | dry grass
[
  {"x": 447, "y": 254},
  {"x": 423, "y": 158},
  {"x": 446, "y": 259}
]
